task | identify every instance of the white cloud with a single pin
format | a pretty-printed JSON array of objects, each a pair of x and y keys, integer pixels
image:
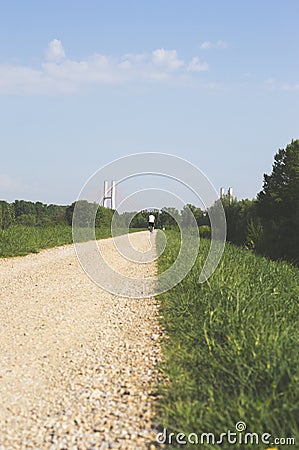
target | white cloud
[
  {"x": 25, "y": 80},
  {"x": 290, "y": 87},
  {"x": 55, "y": 51},
  {"x": 58, "y": 74},
  {"x": 273, "y": 84},
  {"x": 167, "y": 59},
  {"x": 16, "y": 78},
  {"x": 208, "y": 44},
  {"x": 196, "y": 66}
]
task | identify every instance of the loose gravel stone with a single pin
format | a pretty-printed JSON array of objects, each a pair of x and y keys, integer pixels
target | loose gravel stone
[{"x": 78, "y": 365}]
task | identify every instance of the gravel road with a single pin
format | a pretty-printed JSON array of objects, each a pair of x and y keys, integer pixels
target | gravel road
[{"x": 78, "y": 364}]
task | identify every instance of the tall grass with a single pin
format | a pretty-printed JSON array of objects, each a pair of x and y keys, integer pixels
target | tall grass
[
  {"x": 231, "y": 352},
  {"x": 20, "y": 240}
]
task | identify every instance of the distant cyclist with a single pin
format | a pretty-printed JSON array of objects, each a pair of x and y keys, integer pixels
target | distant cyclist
[{"x": 151, "y": 222}]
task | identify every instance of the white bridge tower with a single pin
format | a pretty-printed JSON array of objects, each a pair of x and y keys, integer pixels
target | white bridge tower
[{"x": 109, "y": 195}]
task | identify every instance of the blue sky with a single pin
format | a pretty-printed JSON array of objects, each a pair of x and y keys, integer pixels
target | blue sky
[{"x": 85, "y": 82}]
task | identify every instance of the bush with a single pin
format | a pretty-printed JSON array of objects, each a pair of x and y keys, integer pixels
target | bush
[
  {"x": 205, "y": 231},
  {"x": 28, "y": 220},
  {"x": 278, "y": 205}
]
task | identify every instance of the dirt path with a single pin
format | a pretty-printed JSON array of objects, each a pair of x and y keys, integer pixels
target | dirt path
[{"x": 77, "y": 363}]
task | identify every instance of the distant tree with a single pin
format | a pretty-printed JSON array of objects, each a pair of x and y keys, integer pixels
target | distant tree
[
  {"x": 139, "y": 219},
  {"x": 45, "y": 215},
  {"x": 197, "y": 213},
  {"x": 23, "y": 207},
  {"x": 278, "y": 205},
  {"x": 69, "y": 211},
  {"x": 168, "y": 218},
  {"x": 239, "y": 214},
  {"x": 29, "y": 220},
  {"x": 56, "y": 214},
  {"x": 124, "y": 219},
  {"x": 103, "y": 217},
  {"x": 85, "y": 213},
  {"x": 205, "y": 231},
  {"x": 7, "y": 215},
  {"x": 255, "y": 235},
  {"x": 40, "y": 209},
  {"x": 187, "y": 218}
]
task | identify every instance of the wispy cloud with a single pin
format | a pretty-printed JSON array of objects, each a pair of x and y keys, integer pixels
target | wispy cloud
[
  {"x": 290, "y": 86},
  {"x": 57, "y": 73},
  {"x": 218, "y": 44},
  {"x": 273, "y": 84},
  {"x": 196, "y": 66}
]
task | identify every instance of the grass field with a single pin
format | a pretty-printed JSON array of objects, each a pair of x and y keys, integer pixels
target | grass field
[
  {"x": 20, "y": 240},
  {"x": 231, "y": 350}
]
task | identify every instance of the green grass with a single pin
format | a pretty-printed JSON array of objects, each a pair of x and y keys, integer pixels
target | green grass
[
  {"x": 232, "y": 347},
  {"x": 20, "y": 240}
]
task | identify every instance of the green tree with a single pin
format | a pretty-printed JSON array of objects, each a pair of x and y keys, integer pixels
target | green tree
[
  {"x": 124, "y": 219},
  {"x": 254, "y": 235},
  {"x": 85, "y": 213},
  {"x": 39, "y": 210},
  {"x": 139, "y": 220},
  {"x": 103, "y": 217},
  {"x": 168, "y": 218},
  {"x": 56, "y": 214},
  {"x": 278, "y": 205},
  {"x": 190, "y": 210},
  {"x": 28, "y": 220},
  {"x": 23, "y": 207},
  {"x": 239, "y": 214},
  {"x": 7, "y": 216}
]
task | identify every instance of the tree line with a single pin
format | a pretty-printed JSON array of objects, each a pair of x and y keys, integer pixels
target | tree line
[
  {"x": 27, "y": 213},
  {"x": 268, "y": 224},
  {"x": 167, "y": 217}
]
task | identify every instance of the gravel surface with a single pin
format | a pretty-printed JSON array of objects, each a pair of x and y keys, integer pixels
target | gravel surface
[{"x": 78, "y": 365}]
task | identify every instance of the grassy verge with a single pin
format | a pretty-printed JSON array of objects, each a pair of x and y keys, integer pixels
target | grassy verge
[
  {"x": 20, "y": 240},
  {"x": 232, "y": 350}
]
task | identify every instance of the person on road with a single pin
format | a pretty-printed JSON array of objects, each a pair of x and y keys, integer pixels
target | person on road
[{"x": 151, "y": 222}]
